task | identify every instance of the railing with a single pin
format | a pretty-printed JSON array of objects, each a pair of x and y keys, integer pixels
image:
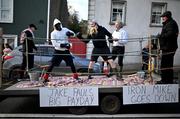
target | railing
[{"x": 131, "y": 53}]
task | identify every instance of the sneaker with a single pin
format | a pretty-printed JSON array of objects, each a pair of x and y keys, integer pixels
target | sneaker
[{"x": 90, "y": 77}]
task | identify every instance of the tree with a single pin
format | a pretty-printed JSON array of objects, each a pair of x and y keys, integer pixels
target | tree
[{"x": 73, "y": 23}]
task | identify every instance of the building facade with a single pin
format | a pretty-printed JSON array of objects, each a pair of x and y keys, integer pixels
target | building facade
[
  {"x": 141, "y": 19},
  {"x": 16, "y": 15}
]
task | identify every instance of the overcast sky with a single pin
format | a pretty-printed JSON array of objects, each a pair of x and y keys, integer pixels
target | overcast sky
[{"x": 81, "y": 6}]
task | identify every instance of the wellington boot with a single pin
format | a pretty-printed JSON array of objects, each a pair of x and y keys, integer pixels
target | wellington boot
[
  {"x": 90, "y": 77},
  {"x": 90, "y": 71},
  {"x": 45, "y": 78}
]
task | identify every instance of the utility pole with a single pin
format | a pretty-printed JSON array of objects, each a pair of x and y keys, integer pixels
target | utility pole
[{"x": 1, "y": 43}]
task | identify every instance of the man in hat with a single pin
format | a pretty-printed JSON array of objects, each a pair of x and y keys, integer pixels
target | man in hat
[
  {"x": 59, "y": 39},
  {"x": 28, "y": 45},
  {"x": 168, "y": 45}
]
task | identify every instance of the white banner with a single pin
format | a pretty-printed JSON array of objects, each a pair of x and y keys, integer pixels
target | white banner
[
  {"x": 142, "y": 94},
  {"x": 80, "y": 96}
]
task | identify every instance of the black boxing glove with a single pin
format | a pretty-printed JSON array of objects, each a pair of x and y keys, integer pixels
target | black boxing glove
[
  {"x": 62, "y": 45},
  {"x": 66, "y": 45},
  {"x": 69, "y": 34}
]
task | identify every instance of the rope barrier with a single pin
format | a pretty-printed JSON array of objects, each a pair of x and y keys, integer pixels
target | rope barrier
[
  {"x": 129, "y": 39},
  {"x": 129, "y": 53},
  {"x": 81, "y": 73}
]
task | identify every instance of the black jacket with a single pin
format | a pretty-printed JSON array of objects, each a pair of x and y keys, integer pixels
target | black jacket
[
  {"x": 169, "y": 35},
  {"x": 99, "y": 40},
  {"x": 30, "y": 42}
]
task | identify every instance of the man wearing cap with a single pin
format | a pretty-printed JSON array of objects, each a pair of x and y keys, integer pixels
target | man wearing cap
[
  {"x": 168, "y": 45},
  {"x": 59, "y": 39},
  {"x": 27, "y": 44}
]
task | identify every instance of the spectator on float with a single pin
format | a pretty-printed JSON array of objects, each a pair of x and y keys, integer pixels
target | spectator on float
[
  {"x": 168, "y": 46},
  {"x": 27, "y": 41}
]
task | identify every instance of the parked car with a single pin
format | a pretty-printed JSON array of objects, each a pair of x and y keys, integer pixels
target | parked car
[{"x": 43, "y": 56}]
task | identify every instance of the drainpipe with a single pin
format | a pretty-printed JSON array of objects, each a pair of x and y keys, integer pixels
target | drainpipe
[
  {"x": 48, "y": 17},
  {"x": 1, "y": 43}
]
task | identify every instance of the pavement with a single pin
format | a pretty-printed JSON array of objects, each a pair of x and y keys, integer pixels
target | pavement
[{"x": 91, "y": 116}]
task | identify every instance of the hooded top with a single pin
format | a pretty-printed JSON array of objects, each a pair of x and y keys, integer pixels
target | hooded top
[
  {"x": 56, "y": 21},
  {"x": 59, "y": 37}
]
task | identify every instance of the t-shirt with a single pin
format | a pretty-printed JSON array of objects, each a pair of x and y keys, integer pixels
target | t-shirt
[{"x": 60, "y": 37}]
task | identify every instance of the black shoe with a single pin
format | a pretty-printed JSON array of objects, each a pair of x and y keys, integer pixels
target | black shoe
[
  {"x": 45, "y": 82},
  {"x": 109, "y": 75},
  {"x": 90, "y": 77},
  {"x": 164, "y": 82}
]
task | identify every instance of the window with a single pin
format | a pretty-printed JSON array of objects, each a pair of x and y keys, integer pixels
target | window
[
  {"x": 45, "y": 51},
  {"x": 118, "y": 11},
  {"x": 11, "y": 40},
  {"x": 157, "y": 10},
  {"x": 6, "y": 11}
]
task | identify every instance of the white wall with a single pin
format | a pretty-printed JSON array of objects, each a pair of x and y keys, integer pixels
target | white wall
[{"x": 138, "y": 14}]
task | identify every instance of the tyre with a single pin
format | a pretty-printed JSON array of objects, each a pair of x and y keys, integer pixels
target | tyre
[
  {"x": 110, "y": 104},
  {"x": 2, "y": 98},
  {"x": 15, "y": 73},
  {"x": 78, "y": 110}
]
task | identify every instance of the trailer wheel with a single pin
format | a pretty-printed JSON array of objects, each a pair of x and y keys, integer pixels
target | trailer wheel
[
  {"x": 2, "y": 98},
  {"x": 110, "y": 104},
  {"x": 78, "y": 110}
]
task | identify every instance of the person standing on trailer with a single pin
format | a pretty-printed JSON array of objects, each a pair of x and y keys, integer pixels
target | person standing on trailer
[
  {"x": 59, "y": 39},
  {"x": 27, "y": 41},
  {"x": 120, "y": 38},
  {"x": 98, "y": 35},
  {"x": 168, "y": 46}
]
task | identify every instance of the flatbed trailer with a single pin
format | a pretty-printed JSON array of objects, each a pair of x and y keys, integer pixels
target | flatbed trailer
[
  {"x": 110, "y": 97},
  {"x": 104, "y": 91}
]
